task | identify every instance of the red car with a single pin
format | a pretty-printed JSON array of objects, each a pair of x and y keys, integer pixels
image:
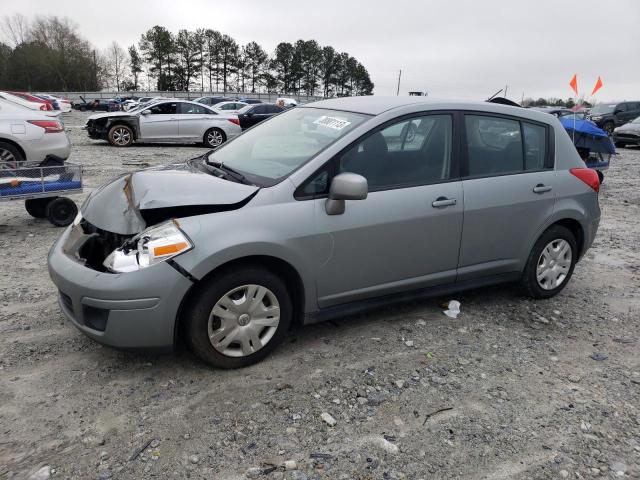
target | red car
[{"x": 31, "y": 98}]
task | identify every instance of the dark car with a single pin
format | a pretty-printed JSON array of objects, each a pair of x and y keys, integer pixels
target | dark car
[
  {"x": 98, "y": 105},
  {"x": 254, "y": 114},
  {"x": 250, "y": 101},
  {"x": 212, "y": 100},
  {"x": 627, "y": 134},
  {"x": 608, "y": 116}
]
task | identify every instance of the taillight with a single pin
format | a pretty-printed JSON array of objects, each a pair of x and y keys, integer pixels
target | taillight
[
  {"x": 234, "y": 120},
  {"x": 49, "y": 106},
  {"x": 43, "y": 106},
  {"x": 588, "y": 176},
  {"x": 50, "y": 126}
]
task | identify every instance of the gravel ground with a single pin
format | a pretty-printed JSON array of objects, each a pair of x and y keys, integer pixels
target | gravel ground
[{"x": 511, "y": 389}]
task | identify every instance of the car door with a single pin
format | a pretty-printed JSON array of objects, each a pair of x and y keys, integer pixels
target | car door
[
  {"x": 193, "y": 121},
  {"x": 257, "y": 114},
  {"x": 161, "y": 123},
  {"x": 508, "y": 184},
  {"x": 406, "y": 234}
]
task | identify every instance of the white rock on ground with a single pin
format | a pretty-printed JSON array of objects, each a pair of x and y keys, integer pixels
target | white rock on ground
[{"x": 328, "y": 419}]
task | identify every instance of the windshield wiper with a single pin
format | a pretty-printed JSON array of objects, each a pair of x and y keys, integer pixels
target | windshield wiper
[{"x": 229, "y": 172}]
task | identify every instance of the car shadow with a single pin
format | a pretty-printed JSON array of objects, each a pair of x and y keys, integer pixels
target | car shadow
[{"x": 304, "y": 338}]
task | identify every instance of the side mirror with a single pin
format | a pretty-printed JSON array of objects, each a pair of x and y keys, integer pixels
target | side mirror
[
  {"x": 345, "y": 186},
  {"x": 146, "y": 112}
]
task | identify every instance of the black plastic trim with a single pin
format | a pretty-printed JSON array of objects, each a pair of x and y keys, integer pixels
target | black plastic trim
[{"x": 359, "y": 306}]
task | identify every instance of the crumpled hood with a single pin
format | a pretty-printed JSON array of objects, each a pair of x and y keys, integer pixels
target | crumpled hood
[
  {"x": 134, "y": 201},
  {"x": 109, "y": 114}
]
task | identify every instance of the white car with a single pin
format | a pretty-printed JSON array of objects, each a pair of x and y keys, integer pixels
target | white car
[
  {"x": 229, "y": 107},
  {"x": 63, "y": 103},
  {"x": 28, "y": 135},
  {"x": 21, "y": 102},
  {"x": 169, "y": 120}
]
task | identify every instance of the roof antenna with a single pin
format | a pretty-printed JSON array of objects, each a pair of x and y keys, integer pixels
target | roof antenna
[{"x": 494, "y": 95}]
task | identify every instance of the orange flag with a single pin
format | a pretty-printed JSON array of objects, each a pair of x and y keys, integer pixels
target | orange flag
[
  {"x": 574, "y": 83},
  {"x": 598, "y": 86}
]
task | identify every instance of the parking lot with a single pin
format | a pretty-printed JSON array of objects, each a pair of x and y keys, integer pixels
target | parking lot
[{"x": 512, "y": 388}]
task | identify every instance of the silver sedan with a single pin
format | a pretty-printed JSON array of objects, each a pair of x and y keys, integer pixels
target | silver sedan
[{"x": 170, "y": 120}]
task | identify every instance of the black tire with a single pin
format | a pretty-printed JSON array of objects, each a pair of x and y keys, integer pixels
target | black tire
[
  {"x": 214, "y": 137},
  {"x": 9, "y": 155},
  {"x": 608, "y": 127},
  {"x": 200, "y": 305},
  {"x": 621, "y": 144},
  {"x": 600, "y": 176},
  {"x": 529, "y": 277},
  {"x": 37, "y": 207},
  {"x": 61, "y": 211},
  {"x": 120, "y": 135}
]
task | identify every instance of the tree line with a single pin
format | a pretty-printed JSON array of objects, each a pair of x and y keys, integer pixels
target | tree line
[
  {"x": 555, "y": 102},
  {"x": 48, "y": 54}
]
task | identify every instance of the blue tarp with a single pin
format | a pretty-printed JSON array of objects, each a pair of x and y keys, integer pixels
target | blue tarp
[
  {"x": 586, "y": 134},
  {"x": 26, "y": 188}
]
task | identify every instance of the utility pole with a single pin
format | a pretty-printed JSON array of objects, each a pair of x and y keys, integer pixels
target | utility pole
[{"x": 399, "y": 76}]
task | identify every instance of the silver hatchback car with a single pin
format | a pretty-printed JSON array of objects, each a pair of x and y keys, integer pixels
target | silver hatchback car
[{"x": 322, "y": 211}]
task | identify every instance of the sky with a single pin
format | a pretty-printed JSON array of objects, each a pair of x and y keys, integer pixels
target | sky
[{"x": 459, "y": 49}]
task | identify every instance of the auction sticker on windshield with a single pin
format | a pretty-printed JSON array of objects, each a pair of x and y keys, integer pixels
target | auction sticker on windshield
[{"x": 332, "y": 122}]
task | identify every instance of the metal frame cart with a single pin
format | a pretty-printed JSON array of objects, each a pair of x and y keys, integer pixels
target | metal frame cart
[{"x": 41, "y": 188}]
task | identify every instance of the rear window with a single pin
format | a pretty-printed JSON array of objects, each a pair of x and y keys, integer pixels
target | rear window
[{"x": 500, "y": 146}]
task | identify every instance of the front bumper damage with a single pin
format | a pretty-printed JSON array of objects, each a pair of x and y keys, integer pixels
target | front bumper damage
[{"x": 135, "y": 310}]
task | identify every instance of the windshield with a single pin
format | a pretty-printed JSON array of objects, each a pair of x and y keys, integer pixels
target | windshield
[
  {"x": 603, "y": 108},
  {"x": 278, "y": 146}
]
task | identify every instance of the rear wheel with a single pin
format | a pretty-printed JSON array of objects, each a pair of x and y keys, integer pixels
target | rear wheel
[
  {"x": 214, "y": 138},
  {"x": 61, "y": 211},
  {"x": 600, "y": 176},
  {"x": 9, "y": 156},
  {"x": 120, "y": 136},
  {"x": 237, "y": 318},
  {"x": 551, "y": 263},
  {"x": 37, "y": 207}
]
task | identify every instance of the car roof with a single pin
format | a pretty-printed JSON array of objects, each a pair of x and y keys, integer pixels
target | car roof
[{"x": 374, "y": 105}]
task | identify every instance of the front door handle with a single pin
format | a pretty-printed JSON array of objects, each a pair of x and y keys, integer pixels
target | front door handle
[
  {"x": 443, "y": 202},
  {"x": 541, "y": 188}
]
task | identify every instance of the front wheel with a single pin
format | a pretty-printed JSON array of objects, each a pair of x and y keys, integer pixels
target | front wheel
[
  {"x": 551, "y": 263},
  {"x": 608, "y": 127},
  {"x": 237, "y": 318},
  {"x": 120, "y": 136},
  {"x": 214, "y": 138}
]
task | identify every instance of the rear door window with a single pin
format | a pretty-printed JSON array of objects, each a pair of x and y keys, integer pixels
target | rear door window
[
  {"x": 535, "y": 146},
  {"x": 193, "y": 109},
  {"x": 502, "y": 146},
  {"x": 494, "y": 146}
]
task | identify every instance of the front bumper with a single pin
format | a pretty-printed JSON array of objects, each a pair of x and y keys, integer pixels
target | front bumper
[
  {"x": 627, "y": 138},
  {"x": 136, "y": 310}
]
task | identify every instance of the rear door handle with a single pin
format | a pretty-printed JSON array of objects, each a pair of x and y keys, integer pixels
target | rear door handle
[
  {"x": 443, "y": 202},
  {"x": 541, "y": 188}
]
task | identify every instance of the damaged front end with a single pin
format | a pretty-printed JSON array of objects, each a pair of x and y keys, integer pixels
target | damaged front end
[
  {"x": 130, "y": 223},
  {"x": 98, "y": 126}
]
